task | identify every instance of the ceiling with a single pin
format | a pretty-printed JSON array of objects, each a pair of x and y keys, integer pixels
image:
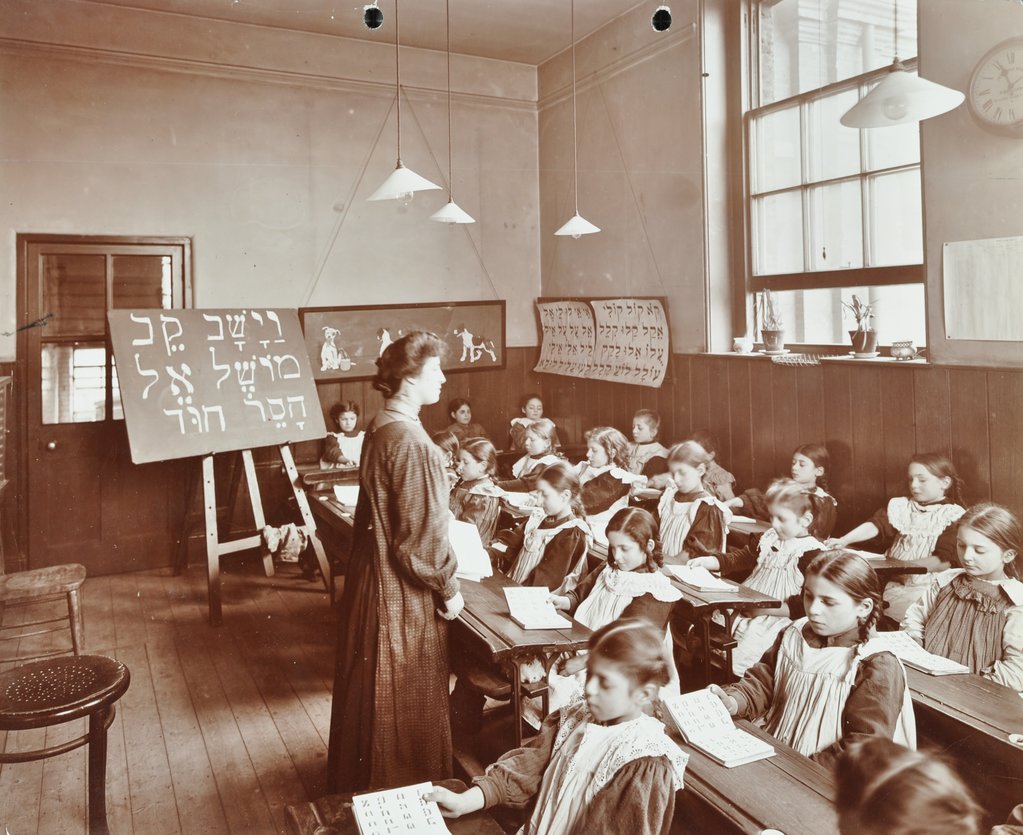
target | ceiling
[{"x": 527, "y": 31}]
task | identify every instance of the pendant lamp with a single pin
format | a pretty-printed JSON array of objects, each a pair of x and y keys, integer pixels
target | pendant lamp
[
  {"x": 901, "y": 97},
  {"x": 450, "y": 212},
  {"x": 577, "y": 225},
  {"x": 403, "y": 182}
]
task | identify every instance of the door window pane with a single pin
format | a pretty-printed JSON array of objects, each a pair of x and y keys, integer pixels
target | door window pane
[
  {"x": 778, "y": 233},
  {"x": 897, "y": 223},
  {"x": 73, "y": 384},
  {"x": 141, "y": 281},
  {"x": 776, "y": 146},
  {"x": 74, "y": 293},
  {"x": 836, "y": 213}
]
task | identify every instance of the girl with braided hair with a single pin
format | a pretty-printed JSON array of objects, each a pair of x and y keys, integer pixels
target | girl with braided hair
[{"x": 825, "y": 684}]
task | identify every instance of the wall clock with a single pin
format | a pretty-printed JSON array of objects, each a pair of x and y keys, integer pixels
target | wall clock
[{"x": 996, "y": 89}]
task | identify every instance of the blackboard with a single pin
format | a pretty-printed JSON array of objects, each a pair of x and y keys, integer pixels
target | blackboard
[{"x": 195, "y": 382}]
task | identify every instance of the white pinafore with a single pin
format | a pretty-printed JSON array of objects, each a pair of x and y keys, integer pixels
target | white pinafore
[
  {"x": 777, "y": 575},
  {"x": 918, "y": 526},
  {"x": 676, "y": 519},
  {"x": 585, "y": 758},
  {"x": 609, "y": 597},
  {"x": 535, "y": 542},
  {"x": 811, "y": 687}
]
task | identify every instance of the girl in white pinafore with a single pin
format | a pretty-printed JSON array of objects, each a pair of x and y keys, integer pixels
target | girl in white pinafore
[
  {"x": 806, "y": 687},
  {"x": 692, "y": 521},
  {"x": 921, "y": 526},
  {"x": 777, "y": 561}
]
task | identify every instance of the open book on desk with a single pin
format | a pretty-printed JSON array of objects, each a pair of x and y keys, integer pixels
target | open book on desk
[
  {"x": 530, "y": 607},
  {"x": 700, "y": 578},
  {"x": 473, "y": 559},
  {"x": 398, "y": 811},
  {"x": 705, "y": 724},
  {"x": 910, "y": 653}
]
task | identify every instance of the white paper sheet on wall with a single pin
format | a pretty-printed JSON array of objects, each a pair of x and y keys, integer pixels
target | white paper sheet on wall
[{"x": 983, "y": 286}]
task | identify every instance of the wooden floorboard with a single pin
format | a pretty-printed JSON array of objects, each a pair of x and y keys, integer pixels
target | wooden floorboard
[{"x": 221, "y": 728}]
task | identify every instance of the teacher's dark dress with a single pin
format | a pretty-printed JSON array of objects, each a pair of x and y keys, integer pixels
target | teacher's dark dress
[{"x": 389, "y": 719}]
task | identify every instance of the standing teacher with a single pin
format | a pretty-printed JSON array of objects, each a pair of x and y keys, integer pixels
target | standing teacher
[{"x": 389, "y": 719}]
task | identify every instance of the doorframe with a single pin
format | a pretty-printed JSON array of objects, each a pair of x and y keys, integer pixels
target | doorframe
[{"x": 16, "y": 441}]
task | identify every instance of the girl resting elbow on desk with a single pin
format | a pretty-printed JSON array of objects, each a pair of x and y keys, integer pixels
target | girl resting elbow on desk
[
  {"x": 823, "y": 685},
  {"x": 974, "y": 614},
  {"x": 596, "y": 761}
]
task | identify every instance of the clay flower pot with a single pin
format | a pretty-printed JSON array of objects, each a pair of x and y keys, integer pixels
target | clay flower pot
[
  {"x": 773, "y": 340},
  {"x": 863, "y": 342}
]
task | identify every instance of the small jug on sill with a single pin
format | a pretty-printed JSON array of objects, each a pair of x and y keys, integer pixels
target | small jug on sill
[{"x": 904, "y": 350}]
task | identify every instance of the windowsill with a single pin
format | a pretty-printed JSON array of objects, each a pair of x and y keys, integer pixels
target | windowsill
[{"x": 823, "y": 356}]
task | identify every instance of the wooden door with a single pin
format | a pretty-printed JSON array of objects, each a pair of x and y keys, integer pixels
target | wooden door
[{"x": 86, "y": 501}]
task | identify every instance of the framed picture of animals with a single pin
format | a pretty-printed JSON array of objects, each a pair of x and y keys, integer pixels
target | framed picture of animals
[{"x": 344, "y": 342}]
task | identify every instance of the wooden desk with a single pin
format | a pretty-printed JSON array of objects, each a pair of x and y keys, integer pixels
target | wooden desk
[
  {"x": 485, "y": 618},
  {"x": 334, "y": 525},
  {"x": 971, "y": 718},
  {"x": 700, "y": 606},
  {"x": 786, "y": 792}
]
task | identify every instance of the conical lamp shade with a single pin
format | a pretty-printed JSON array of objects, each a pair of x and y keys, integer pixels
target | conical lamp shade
[
  {"x": 451, "y": 212},
  {"x": 402, "y": 181},
  {"x": 901, "y": 98},
  {"x": 577, "y": 225}
]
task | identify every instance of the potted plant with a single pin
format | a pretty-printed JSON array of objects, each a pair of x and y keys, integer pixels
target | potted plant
[
  {"x": 864, "y": 338},
  {"x": 771, "y": 325}
]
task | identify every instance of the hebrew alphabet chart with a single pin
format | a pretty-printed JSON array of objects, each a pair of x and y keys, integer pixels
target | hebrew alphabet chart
[
  {"x": 623, "y": 340},
  {"x": 195, "y": 382}
]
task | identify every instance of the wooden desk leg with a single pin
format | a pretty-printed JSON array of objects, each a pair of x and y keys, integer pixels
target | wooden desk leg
[
  {"x": 705, "y": 635},
  {"x": 516, "y": 702},
  {"x": 98, "y": 772},
  {"x": 209, "y": 492}
]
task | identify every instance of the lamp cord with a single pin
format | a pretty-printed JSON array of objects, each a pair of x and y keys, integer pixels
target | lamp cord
[
  {"x": 451, "y": 178},
  {"x": 397, "y": 75},
  {"x": 895, "y": 34},
  {"x": 575, "y": 133}
]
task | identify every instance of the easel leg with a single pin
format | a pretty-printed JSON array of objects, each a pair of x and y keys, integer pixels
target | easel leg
[
  {"x": 257, "y": 508},
  {"x": 307, "y": 517},
  {"x": 181, "y": 557},
  {"x": 209, "y": 492}
]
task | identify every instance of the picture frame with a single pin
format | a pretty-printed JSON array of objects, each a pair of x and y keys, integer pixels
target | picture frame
[{"x": 343, "y": 343}]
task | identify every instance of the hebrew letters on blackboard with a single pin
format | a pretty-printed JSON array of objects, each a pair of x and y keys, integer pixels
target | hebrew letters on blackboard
[
  {"x": 195, "y": 382},
  {"x": 623, "y": 340}
]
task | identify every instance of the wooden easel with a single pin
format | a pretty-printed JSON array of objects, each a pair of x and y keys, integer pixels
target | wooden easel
[{"x": 216, "y": 548}]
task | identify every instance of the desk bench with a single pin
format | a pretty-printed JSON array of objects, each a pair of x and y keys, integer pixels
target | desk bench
[
  {"x": 485, "y": 621},
  {"x": 971, "y": 718},
  {"x": 786, "y": 792}
]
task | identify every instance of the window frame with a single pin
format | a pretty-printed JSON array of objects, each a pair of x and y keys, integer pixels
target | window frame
[{"x": 867, "y": 276}]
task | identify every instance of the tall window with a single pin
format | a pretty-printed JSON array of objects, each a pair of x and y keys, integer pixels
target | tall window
[{"x": 833, "y": 211}]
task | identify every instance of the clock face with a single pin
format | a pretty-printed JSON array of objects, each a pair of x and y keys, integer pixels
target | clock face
[{"x": 996, "y": 89}]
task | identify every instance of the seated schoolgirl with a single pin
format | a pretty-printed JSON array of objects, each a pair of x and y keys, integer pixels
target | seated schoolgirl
[
  {"x": 886, "y": 789},
  {"x": 919, "y": 527},
  {"x": 476, "y": 498},
  {"x": 549, "y": 548},
  {"x": 717, "y": 480},
  {"x": 462, "y": 425},
  {"x": 448, "y": 445},
  {"x": 778, "y": 560},
  {"x": 692, "y": 521},
  {"x": 605, "y": 484},
  {"x": 531, "y": 406},
  {"x": 810, "y": 464},
  {"x": 344, "y": 447},
  {"x": 974, "y": 614},
  {"x": 823, "y": 686},
  {"x": 596, "y": 761},
  {"x": 539, "y": 445},
  {"x": 647, "y": 455}
]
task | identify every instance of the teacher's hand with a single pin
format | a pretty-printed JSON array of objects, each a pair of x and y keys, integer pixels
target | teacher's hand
[{"x": 453, "y": 607}]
